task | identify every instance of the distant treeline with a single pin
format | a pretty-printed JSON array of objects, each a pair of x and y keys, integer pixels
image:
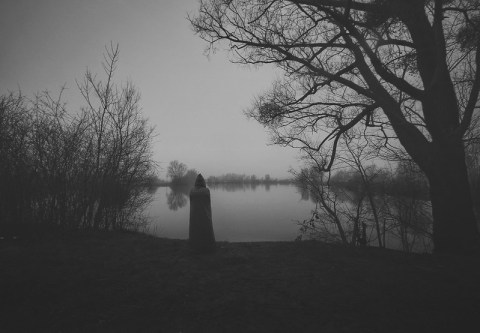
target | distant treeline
[
  {"x": 180, "y": 175},
  {"x": 246, "y": 179},
  {"x": 406, "y": 179}
]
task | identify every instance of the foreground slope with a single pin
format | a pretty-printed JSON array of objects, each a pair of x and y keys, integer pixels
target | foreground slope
[{"x": 128, "y": 282}]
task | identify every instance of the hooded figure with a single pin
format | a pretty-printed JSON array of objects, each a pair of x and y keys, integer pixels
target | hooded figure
[{"x": 201, "y": 236}]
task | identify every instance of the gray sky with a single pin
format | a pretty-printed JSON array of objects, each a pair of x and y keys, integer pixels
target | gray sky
[{"x": 196, "y": 103}]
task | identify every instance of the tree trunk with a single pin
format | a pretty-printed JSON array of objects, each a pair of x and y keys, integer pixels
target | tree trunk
[
  {"x": 375, "y": 217},
  {"x": 454, "y": 224}
]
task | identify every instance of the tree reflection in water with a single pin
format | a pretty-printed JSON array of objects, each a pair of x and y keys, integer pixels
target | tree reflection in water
[
  {"x": 177, "y": 197},
  {"x": 406, "y": 220}
]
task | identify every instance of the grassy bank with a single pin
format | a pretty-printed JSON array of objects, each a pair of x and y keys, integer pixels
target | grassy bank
[{"x": 127, "y": 282}]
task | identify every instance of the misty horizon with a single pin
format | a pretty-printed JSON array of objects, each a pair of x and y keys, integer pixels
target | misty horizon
[{"x": 195, "y": 102}]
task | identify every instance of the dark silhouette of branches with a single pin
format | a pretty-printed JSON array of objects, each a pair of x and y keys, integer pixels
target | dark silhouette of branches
[
  {"x": 404, "y": 73},
  {"x": 83, "y": 170}
]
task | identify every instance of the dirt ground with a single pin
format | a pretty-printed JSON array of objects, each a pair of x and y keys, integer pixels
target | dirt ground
[{"x": 129, "y": 282}]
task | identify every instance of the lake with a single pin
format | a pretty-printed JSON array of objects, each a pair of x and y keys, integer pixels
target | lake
[
  {"x": 250, "y": 213},
  {"x": 240, "y": 212}
]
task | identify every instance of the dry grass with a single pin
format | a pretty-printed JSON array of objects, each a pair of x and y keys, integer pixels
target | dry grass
[{"x": 127, "y": 282}]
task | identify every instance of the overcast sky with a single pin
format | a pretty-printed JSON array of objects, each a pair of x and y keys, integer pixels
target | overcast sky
[{"x": 195, "y": 102}]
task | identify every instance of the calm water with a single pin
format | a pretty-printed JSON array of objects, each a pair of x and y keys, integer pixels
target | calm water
[
  {"x": 246, "y": 213},
  {"x": 240, "y": 213}
]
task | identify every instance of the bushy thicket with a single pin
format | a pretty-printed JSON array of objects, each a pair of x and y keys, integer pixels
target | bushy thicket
[
  {"x": 369, "y": 205},
  {"x": 83, "y": 170},
  {"x": 473, "y": 164},
  {"x": 392, "y": 206}
]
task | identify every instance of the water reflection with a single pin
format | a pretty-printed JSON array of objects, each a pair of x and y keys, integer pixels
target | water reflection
[
  {"x": 232, "y": 187},
  {"x": 177, "y": 197},
  {"x": 390, "y": 221},
  {"x": 254, "y": 212},
  {"x": 241, "y": 212},
  {"x": 304, "y": 193}
]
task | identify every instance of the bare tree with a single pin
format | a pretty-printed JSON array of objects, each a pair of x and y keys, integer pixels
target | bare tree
[
  {"x": 16, "y": 190},
  {"x": 353, "y": 206},
  {"x": 407, "y": 210},
  {"x": 406, "y": 71},
  {"x": 81, "y": 170},
  {"x": 473, "y": 164},
  {"x": 357, "y": 153},
  {"x": 358, "y": 207},
  {"x": 176, "y": 171},
  {"x": 119, "y": 146},
  {"x": 331, "y": 221},
  {"x": 56, "y": 146}
]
